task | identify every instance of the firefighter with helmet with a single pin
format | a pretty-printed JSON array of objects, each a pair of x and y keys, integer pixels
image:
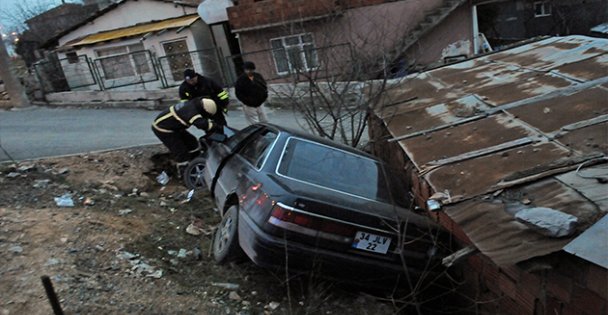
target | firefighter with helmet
[{"x": 171, "y": 125}]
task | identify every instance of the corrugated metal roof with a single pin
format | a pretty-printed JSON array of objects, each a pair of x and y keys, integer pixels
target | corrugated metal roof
[
  {"x": 135, "y": 30},
  {"x": 592, "y": 245},
  {"x": 514, "y": 121}
]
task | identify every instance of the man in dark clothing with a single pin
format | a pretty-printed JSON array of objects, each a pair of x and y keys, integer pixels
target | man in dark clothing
[
  {"x": 171, "y": 125},
  {"x": 196, "y": 85},
  {"x": 252, "y": 91}
]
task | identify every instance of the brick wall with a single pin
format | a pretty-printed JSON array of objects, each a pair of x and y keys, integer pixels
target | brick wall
[
  {"x": 250, "y": 13},
  {"x": 556, "y": 284}
]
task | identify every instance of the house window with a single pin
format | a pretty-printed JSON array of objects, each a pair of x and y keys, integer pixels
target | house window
[
  {"x": 542, "y": 8},
  {"x": 178, "y": 57},
  {"x": 123, "y": 61},
  {"x": 72, "y": 57},
  {"x": 294, "y": 53}
]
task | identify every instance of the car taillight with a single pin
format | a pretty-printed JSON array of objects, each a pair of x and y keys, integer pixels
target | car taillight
[{"x": 309, "y": 224}]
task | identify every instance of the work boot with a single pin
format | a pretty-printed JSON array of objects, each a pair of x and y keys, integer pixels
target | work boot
[{"x": 181, "y": 167}]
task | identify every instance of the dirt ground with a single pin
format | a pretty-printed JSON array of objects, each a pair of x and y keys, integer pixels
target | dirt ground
[{"x": 123, "y": 247}]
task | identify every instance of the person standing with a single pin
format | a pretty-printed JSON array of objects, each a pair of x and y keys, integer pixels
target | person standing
[
  {"x": 196, "y": 85},
  {"x": 252, "y": 91}
]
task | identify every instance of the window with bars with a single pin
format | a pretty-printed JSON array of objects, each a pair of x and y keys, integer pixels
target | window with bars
[
  {"x": 124, "y": 61},
  {"x": 542, "y": 8},
  {"x": 294, "y": 53}
]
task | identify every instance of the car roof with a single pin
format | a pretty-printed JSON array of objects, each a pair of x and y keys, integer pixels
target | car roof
[{"x": 308, "y": 136}]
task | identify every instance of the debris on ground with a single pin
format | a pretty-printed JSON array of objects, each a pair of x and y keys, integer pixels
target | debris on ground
[
  {"x": 163, "y": 178},
  {"x": 113, "y": 242},
  {"x": 64, "y": 200}
]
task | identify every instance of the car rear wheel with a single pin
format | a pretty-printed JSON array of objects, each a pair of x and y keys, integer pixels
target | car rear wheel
[
  {"x": 194, "y": 173},
  {"x": 226, "y": 246}
]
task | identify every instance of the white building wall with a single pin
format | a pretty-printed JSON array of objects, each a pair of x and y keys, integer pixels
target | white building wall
[{"x": 153, "y": 43}]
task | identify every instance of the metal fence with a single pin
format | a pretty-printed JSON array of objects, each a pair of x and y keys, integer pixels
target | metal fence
[
  {"x": 142, "y": 68},
  {"x": 293, "y": 64},
  {"x": 128, "y": 69}
]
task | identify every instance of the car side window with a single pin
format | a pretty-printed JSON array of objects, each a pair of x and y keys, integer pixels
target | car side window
[
  {"x": 233, "y": 141},
  {"x": 256, "y": 150}
]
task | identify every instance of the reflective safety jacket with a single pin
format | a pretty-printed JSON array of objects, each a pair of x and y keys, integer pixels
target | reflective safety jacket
[
  {"x": 207, "y": 88},
  {"x": 185, "y": 114}
]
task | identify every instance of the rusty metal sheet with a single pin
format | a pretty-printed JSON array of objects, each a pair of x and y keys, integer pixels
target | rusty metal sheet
[
  {"x": 477, "y": 176},
  {"x": 524, "y": 85},
  {"x": 586, "y": 70},
  {"x": 552, "y": 114},
  {"x": 585, "y": 181},
  {"x": 550, "y": 54},
  {"x": 592, "y": 245},
  {"x": 473, "y": 136},
  {"x": 491, "y": 225},
  {"x": 136, "y": 30},
  {"x": 587, "y": 140},
  {"x": 423, "y": 118}
]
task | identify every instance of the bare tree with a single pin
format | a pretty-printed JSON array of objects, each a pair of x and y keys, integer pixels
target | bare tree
[{"x": 330, "y": 83}]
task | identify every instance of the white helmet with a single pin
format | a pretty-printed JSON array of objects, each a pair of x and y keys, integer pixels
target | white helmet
[{"x": 209, "y": 106}]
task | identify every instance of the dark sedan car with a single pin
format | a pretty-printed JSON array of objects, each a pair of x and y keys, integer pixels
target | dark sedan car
[{"x": 287, "y": 195}]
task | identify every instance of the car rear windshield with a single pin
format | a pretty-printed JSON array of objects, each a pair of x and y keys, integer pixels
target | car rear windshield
[{"x": 333, "y": 168}]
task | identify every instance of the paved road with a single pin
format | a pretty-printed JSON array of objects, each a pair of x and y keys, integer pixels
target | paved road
[{"x": 43, "y": 132}]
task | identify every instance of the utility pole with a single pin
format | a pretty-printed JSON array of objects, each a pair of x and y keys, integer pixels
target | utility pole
[{"x": 11, "y": 84}]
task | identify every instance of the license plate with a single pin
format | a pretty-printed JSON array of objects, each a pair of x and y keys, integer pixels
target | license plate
[{"x": 371, "y": 242}]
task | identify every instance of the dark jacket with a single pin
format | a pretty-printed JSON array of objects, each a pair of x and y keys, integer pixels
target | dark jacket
[
  {"x": 251, "y": 92},
  {"x": 185, "y": 114},
  {"x": 205, "y": 87}
]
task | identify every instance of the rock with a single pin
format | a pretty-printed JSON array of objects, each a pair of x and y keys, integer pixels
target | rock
[
  {"x": 234, "y": 296},
  {"x": 52, "y": 262},
  {"x": 156, "y": 274},
  {"x": 127, "y": 256},
  {"x": 273, "y": 305},
  {"x": 526, "y": 201},
  {"x": 225, "y": 285},
  {"x": 172, "y": 252},
  {"x": 548, "y": 221},
  {"x": 174, "y": 262},
  {"x": 163, "y": 204},
  {"x": 198, "y": 254},
  {"x": 182, "y": 253},
  {"x": 26, "y": 168},
  {"x": 124, "y": 212},
  {"x": 88, "y": 201},
  {"x": 144, "y": 194},
  {"x": 192, "y": 229},
  {"x": 62, "y": 171},
  {"x": 12, "y": 175},
  {"x": 41, "y": 183},
  {"x": 16, "y": 249}
]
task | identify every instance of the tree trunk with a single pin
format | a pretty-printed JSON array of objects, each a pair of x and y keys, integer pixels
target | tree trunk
[{"x": 15, "y": 90}]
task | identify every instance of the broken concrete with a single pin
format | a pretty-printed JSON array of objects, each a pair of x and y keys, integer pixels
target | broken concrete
[{"x": 547, "y": 221}]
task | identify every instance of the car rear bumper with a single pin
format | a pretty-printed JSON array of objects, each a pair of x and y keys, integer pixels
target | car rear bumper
[{"x": 270, "y": 251}]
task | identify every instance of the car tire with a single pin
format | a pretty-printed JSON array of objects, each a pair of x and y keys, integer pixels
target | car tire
[
  {"x": 226, "y": 246},
  {"x": 193, "y": 175}
]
